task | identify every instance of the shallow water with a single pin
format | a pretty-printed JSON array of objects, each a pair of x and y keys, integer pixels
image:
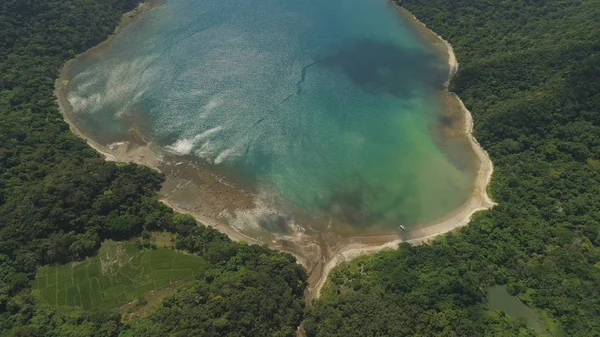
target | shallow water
[
  {"x": 499, "y": 298},
  {"x": 328, "y": 105}
]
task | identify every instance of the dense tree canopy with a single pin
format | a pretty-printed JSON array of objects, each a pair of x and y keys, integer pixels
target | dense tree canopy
[
  {"x": 59, "y": 200},
  {"x": 530, "y": 74}
]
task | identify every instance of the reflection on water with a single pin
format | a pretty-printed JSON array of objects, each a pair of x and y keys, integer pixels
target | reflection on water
[{"x": 386, "y": 68}]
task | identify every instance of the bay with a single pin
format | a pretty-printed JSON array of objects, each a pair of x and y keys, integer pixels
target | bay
[{"x": 328, "y": 106}]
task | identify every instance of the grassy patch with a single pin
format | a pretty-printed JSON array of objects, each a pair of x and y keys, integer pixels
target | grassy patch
[
  {"x": 135, "y": 309},
  {"x": 163, "y": 239},
  {"x": 118, "y": 274}
]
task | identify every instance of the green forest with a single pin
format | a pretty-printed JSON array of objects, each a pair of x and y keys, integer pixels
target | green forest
[
  {"x": 59, "y": 200},
  {"x": 530, "y": 75}
]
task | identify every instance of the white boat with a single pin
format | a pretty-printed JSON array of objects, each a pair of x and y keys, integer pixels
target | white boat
[{"x": 402, "y": 228}]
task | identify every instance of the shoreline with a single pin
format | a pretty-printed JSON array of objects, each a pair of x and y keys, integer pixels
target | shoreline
[
  {"x": 139, "y": 154},
  {"x": 479, "y": 200},
  {"x": 319, "y": 253},
  {"x": 434, "y": 38}
]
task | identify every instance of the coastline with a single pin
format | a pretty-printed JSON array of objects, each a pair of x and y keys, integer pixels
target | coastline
[
  {"x": 129, "y": 152},
  {"x": 461, "y": 217},
  {"x": 319, "y": 253},
  {"x": 434, "y": 38}
]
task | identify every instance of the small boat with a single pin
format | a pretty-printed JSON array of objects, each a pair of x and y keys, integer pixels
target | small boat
[{"x": 402, "y": 228}]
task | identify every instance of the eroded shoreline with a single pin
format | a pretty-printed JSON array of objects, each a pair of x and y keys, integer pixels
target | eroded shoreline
[{"x": 211, "y": 196}]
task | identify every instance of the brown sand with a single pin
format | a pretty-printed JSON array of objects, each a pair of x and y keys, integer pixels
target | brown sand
[{"x": 196, "y": 189}]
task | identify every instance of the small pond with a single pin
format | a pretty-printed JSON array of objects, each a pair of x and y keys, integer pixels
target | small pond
[{"x": 499, "y": 298}]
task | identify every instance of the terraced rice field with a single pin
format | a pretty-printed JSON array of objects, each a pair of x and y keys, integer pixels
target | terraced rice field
[{"x": 119, "y": 273}]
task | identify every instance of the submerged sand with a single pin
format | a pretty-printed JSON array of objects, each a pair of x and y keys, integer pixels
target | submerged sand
[
  {"x": 196, "y": 189},
  {"x": 478, "y": 201}
]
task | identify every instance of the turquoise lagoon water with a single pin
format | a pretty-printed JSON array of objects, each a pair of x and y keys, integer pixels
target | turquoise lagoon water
[{"x": 330, "y": 104}]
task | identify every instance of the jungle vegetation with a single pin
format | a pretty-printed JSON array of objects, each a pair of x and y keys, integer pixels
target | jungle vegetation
[
  {"x": 59, "y": 200},
  {"x": 530, "y": 75}
]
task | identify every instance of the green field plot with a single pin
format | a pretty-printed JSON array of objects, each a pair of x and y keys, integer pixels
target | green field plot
[{"x": 119, "y": 273}]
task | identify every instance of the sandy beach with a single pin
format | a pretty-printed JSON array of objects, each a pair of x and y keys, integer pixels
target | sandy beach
[
  {"x": 478, "y": 201},
  {"x": 195, "y": 189}
]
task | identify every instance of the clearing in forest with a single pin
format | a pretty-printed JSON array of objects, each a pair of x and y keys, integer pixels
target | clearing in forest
[{"x": 118, "y": 274}]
